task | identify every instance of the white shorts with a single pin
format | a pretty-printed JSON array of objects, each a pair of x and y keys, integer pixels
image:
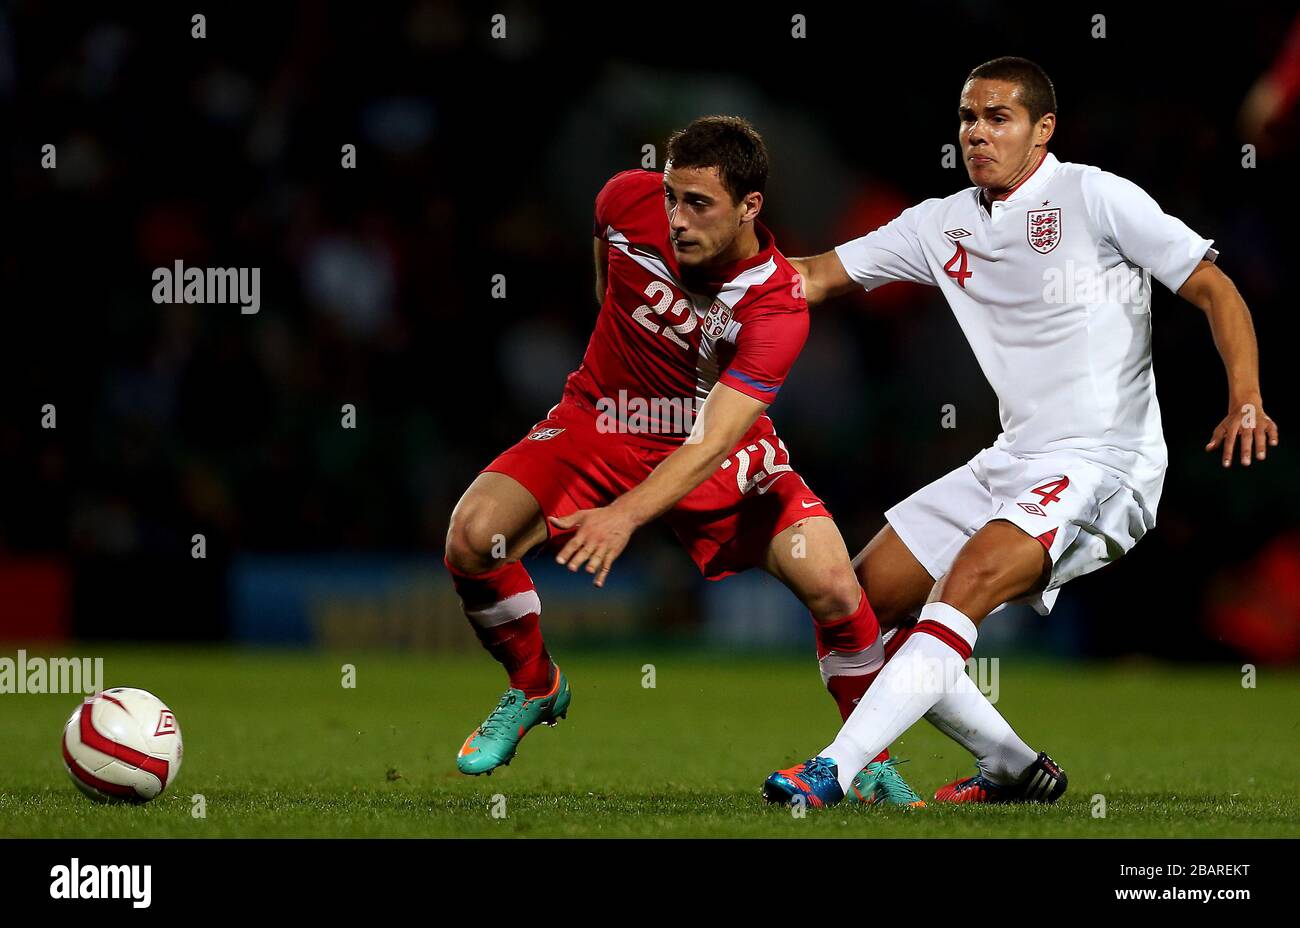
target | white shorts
[{"x": 1085, "y": 516}]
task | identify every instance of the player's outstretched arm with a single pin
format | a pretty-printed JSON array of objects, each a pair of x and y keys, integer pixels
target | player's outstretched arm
[
  {"x": 603, "y": 533},
  {"x": 823, "y": 277},
  {"x": 1234, "y": 336}
]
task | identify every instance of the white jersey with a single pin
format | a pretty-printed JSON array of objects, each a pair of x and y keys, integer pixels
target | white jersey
[{"x": 1051, "y": 292}]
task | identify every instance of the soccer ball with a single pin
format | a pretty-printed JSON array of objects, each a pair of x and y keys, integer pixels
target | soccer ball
[{"x": 122, "y": 745}]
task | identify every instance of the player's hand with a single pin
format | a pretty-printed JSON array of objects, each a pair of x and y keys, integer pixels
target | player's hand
[
  {"x": 1246, "y": 420},
  {"x": 601, "y": 536}
]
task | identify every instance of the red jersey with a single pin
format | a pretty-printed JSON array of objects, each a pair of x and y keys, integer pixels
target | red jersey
[{"x": 657, "y": 341}]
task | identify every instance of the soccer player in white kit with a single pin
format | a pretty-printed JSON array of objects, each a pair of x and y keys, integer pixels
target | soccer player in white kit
[{"x": 1047, "y": 267}]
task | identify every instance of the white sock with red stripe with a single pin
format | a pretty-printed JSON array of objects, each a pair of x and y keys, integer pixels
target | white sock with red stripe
[
  {"x": 924, "y": 670},
  {"x": 966, "y": 716}
]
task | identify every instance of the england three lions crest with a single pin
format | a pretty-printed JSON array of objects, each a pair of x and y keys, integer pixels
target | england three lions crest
[
  {"x": 716, "y": 319},
  {"x": 1043, "y": 228}
]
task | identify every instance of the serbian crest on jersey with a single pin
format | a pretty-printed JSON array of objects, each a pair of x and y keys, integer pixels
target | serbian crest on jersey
[
  {"x": 716, "y": 319},
  {"x": 1044, "y": 229}
]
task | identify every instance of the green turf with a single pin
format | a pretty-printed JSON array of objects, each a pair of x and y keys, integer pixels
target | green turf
[{"x": 279, "y": 748}]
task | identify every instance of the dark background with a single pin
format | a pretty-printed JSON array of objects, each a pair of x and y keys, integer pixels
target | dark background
[{"x": 478, "y": 157}]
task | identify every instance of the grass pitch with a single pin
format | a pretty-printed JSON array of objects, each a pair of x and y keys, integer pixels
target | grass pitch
[{"x": 278, "y": 747}]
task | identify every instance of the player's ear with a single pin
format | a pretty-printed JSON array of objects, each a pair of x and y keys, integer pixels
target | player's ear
[
  {"x": 753, "y": 204},
  {"x": 1046, "y": 127}
]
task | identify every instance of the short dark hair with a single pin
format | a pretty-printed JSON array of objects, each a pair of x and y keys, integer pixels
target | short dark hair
[
  {"x": 728, "y": 143},
  {"x": 1036, "y": 90}
]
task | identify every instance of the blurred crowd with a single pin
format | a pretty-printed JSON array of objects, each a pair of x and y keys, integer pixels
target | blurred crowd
[{"x": 477, "y": 157}]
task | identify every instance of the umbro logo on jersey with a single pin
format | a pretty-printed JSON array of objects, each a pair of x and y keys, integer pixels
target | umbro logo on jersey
[
  {"x": 1043, "y": 229},
  {"x": 956, "y": 233},
  {"x": 1032, "y": 508},
  {"x": 544, "y": 434}
]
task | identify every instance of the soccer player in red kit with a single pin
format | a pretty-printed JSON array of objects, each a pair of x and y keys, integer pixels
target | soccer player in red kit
[{"x": 701, "y": 319}]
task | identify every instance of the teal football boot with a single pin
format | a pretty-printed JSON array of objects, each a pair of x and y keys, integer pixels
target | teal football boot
[
  {"x": 495, "y": 741},
  {"x": 880, "y": 782}
]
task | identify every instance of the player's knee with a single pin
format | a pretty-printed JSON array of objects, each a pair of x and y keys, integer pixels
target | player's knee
[
  {"x": 980, "y": 580},
  {"x": 836, "y": 596},
  {"x": 470, "y": 538},
  {"x": 979, "y": 571}
]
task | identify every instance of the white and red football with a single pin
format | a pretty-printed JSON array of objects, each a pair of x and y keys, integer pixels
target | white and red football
[{"x": 122, "y": 745}]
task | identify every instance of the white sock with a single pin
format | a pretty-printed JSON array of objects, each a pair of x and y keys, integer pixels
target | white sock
[
  {"x": 919, "y": 674},
  {"x": 966, "y": 716}
]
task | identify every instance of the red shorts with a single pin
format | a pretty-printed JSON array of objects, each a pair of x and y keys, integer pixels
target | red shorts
[{"x": 726, "y": 523}]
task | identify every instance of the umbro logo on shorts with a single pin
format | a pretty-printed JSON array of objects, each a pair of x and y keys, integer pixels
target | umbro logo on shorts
[{"x": 544, "y": 434}]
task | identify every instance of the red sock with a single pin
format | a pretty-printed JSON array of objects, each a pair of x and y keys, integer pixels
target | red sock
[
  {"x": 850, "y": 655},
  {"x": 504, "y": 610},
  {"x": 855, "y": 632}
]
